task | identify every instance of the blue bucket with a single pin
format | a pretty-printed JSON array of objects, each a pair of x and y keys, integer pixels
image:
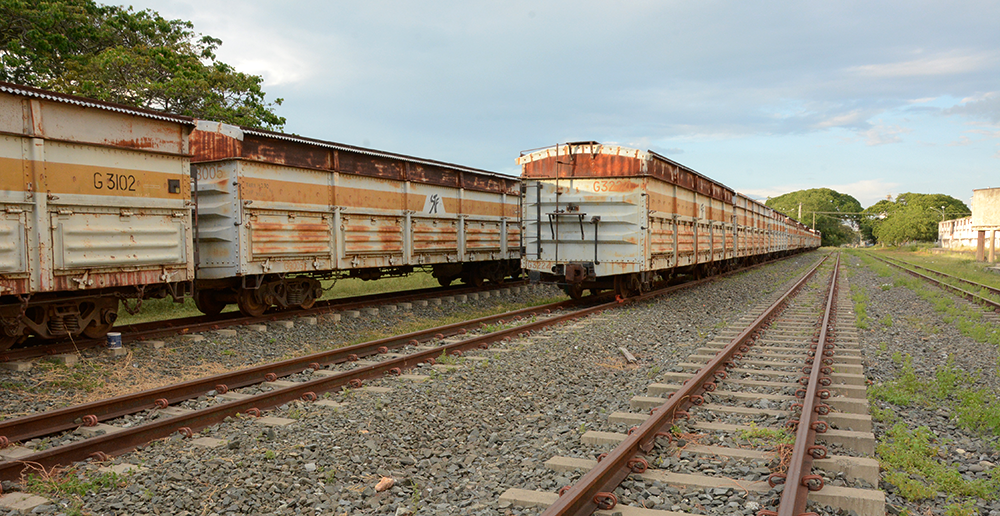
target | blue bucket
[{"x": 114, "y": 340}]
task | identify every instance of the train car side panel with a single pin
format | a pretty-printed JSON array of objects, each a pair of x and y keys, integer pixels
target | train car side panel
[
  {"x": 434, "y": 224},
  {"x": 598, "y": 222},
  {"x": 285, "y": 218}
]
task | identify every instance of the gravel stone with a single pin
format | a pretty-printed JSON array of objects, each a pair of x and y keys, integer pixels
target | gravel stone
[{"x": 453, "y": 443}]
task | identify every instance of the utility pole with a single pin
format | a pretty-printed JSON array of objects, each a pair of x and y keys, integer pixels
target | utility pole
[{"x": 800, "y": 211}]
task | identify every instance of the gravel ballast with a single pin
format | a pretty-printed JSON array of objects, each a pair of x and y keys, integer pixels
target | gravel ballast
[{"x": 456, "y": 441}]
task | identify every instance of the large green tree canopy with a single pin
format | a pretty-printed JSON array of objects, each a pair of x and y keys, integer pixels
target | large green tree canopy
[
  {"x": 911, "y": 217},
  {"x": 136, "y": 58},
  {"x": 826, "y": 206}
]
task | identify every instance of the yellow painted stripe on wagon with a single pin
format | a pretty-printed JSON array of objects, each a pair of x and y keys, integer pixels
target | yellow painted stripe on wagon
[
  {"x": 272, "y": 190},
  {"x": 11, "y": 175},
  {"x": 365, "y": 198},
  {"x": 76, "y": 179},
  {"x": 482, "y": 208}
]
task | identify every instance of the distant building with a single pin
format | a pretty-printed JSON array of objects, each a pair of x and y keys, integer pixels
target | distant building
[{"x": 978, "y": 232}]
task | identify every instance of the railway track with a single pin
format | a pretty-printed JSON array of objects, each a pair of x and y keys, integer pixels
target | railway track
[
  {"x": 789, "y": 374},
  {"x": 315, "y": 375},
  {"x": 947, "y": 282},
  {"x": 165, "y": 328}
]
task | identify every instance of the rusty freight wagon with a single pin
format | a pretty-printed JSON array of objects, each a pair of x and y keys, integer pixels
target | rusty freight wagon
[
  {"x": 278, "y": 213},
  {"x": 95, "y": 208},
  {"x": 603, "y": 216}
]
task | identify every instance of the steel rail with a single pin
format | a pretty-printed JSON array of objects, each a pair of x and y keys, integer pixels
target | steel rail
[
  {"x": 167, "y": 327},
  {"x": 970, "y": 296},
  {"x": 45, "y": 423},
  {"x": 798, "y": 479},
  {"x": 128, "y": 439},
  {"x": 988, "y": 288},
  {"x": 594, "y": 490}
]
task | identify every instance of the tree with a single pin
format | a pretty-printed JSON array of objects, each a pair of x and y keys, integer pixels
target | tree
[
  {"x": 820, "y": 202},
  {"x": 136, "y": 58},
  {"x": 911, "y": 217}
]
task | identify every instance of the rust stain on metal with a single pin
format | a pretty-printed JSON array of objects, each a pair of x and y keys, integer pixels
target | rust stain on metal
[
  {"x": 141, "y": 143},
  {"x": 209, "y": 146}
]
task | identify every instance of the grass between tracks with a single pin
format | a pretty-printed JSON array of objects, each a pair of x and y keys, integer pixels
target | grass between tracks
[
  {"x": 71, "y": 485},
  {"x": 916, "y": 461},
  {"x": 159, "y": 309},
  {"x": 966, "y": 317},
  {"x": 959, "y": 265}
]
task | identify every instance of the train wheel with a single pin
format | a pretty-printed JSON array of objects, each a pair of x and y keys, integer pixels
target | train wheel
[
  {"x": 478, "y": 279},
  {"x": 574, "y": 290},
  {"x": 443, "y": 281},
  {"x": 6, "y": 342},
  {"x": 108, "y": 314},
  {"x": 595, "y": 291},
  {"x": 96, "y": 331},
  {"x": 627, "y": 285},
  {"x": 308, "y": 303},
  {"x": 249, "y": 305},
  {"x": 208, "y": 303},
  {"x": 494, "y": 272}
]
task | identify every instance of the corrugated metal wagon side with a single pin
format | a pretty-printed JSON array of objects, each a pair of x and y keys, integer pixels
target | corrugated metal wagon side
[
  {"x": 96, "y": 208},
  {"x": 277, "y": 213}
]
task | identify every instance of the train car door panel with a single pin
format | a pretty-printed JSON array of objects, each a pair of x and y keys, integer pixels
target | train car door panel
[
  {"x": 372, "y": 240},
  {"x": 483, "y": 237},
  {"x": 13, "y": 252},
  {"x": 290, "y": 235},
  {"x": 434, "y": 239},
  {"x": 95, "y": 240}
]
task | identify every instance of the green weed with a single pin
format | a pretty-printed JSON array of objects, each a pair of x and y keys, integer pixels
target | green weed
[
  {"x": 911, "y": 458},
  {"x": 975, "y": 408},
  {"x": 860, "y": 300},
  {"x": 72, "y": 483},
  {"x": 767, "y": 437}
]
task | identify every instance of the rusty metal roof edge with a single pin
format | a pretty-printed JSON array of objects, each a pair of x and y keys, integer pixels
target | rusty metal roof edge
[
  {"x": 28, "y": 91},
  {"x": 578, "y": 146},
  {"x": 688, "y": 169},
  {"x": 370, "y": 152}
]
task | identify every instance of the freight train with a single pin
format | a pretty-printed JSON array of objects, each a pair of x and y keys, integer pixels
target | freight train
[
  {"x": 604, "y": 217},
  {"x": 103, "y": 206}
]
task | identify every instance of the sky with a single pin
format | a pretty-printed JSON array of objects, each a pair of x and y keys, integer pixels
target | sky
[{"x": 868, "y": 98}]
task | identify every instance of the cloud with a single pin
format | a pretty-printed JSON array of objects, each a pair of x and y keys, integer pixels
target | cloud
[
  {"x": 951, "y": 63},
  {"x": 767, "y": 90},
  {"x": 763, "y": 194},
  {"x": 882, "y": 134},
  {"x": 868, "y": 191},
  {"x": 852, "y": 118},
  {"x": 986, "y": 108}
]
